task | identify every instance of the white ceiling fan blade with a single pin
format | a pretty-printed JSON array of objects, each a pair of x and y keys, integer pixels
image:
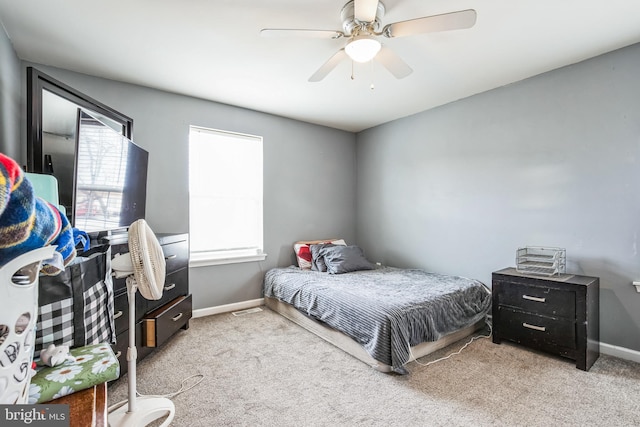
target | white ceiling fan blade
[
  {"x": 430, "y": 24},
  {"x": 328, "y": 66},
  {"x": 314, "y": 34},
  {"x": 393, "y": 63},
  {"x": 365, "y": 10}
]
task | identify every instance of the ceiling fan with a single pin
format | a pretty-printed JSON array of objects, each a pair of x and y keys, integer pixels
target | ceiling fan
[{"x": 361, "y": 25}]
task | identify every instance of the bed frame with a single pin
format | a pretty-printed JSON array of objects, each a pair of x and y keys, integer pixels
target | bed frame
[{"x": 350, "y": 346}]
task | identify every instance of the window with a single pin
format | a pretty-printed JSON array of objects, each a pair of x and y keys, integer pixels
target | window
[{"x": 225, "y": 197}]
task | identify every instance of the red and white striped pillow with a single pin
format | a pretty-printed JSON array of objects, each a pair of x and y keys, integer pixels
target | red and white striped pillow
[{"x": 303, "y": 253}]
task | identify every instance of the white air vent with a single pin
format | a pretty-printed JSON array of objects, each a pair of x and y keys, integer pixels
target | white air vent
[{"x": 247, "y": 311}]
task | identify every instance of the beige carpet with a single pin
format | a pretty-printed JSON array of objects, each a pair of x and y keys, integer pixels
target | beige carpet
[{"x": 263, "y": 370}]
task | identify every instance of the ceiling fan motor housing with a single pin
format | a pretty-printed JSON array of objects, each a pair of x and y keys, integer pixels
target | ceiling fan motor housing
[{"x": 353, "y": 27}]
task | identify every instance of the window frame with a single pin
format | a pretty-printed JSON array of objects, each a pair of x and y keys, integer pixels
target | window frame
[{"x": 222, "y": 257}]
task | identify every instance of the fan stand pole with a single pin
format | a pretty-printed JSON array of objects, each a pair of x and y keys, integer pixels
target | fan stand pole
[
  {"x": 147, "y": 409},
  {"x": 132, "y": 351}
]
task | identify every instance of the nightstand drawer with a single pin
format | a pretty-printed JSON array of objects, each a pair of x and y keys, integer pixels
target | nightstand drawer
[
  {"x": 537, "y": 331},
  {"x": 538, "y": 299}
]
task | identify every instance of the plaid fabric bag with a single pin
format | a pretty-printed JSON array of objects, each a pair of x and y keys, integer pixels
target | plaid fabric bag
[
  {"x": 99, "y": 325},
  {"x": 76, "y": 306},
  {"x": 57, "y": 320}
]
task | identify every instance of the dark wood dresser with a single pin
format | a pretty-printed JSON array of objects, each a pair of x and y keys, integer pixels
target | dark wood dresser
[
  {"x": 156, "y": 320},
  {"x": 558, "y": 314}
]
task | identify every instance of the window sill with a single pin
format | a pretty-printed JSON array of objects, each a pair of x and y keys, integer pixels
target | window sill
[{"x": 204, "y": 260}]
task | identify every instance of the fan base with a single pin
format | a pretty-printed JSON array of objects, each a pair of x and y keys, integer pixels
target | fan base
[{"x": 148, "y": 409}]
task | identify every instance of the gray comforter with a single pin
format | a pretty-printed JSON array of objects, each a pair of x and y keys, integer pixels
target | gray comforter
[{"x": 386, "y": 310}]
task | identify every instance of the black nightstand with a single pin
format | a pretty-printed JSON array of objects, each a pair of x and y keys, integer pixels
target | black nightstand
[{"x": 558, "y": 314}]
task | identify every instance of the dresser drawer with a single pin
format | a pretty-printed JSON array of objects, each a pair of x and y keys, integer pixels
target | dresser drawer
[
  {"x": 121, "y": 309},
  {"x": 122, "y": 344},
  {"x": 176, "y": 255},
  {"x": 119, "y": 284},
  {"x": 538, "y": 299},
  {"x": 537, "y": 331},
  {"x": 175, "y": 285},
  {"x": 121, "y": 312},
  {"x": 120, "y": 350},
  {"x": 160, "y": 324}
]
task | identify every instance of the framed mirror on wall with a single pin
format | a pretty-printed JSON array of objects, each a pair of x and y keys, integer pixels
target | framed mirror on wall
[
  {"x": 99, "y": 192},
  {"x": 52, "y": 125}
]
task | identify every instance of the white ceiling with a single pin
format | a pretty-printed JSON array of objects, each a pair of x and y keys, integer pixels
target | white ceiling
[{"x": 212, "y": 49}]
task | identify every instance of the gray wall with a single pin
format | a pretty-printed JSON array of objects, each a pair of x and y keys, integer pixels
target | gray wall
[
  {"x": 309, "y": 176},
  {"x": 549, "y": 161},
  {"x": 10, "y": 99}
]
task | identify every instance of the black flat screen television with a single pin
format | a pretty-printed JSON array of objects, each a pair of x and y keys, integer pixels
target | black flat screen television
[{"x": 110, "y": 180}]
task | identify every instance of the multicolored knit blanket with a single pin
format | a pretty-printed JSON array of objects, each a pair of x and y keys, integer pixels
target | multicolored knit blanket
[{"x": 28, "y": 222}]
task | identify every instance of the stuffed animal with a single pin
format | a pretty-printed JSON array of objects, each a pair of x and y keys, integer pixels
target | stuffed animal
[{"x": 54, "y": 356}]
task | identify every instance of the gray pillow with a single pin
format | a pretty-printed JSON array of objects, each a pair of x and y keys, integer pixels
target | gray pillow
[
  {"x": 317, "y": 260},
  {"x": 343, "y": 259}
]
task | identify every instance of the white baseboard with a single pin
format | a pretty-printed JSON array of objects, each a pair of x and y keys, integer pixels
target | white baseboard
[
  {"x": 209, "y": 311},
  {"x": 621, "y": 352}
]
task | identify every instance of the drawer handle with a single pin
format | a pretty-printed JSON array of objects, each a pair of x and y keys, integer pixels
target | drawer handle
[
  {"x": 169, "y": 286},
  {"x": 118, "y": 314},
  {"x": 534, "y": 327},
  {"x": 536, "y": 299},
  {"x": 176, "y": 317},
  {"x": 170, "y": 257},
  {"x": 118, "y": 354}
]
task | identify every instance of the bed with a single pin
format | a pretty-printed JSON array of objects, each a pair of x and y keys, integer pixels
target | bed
[{"x": 384, "y": 316}]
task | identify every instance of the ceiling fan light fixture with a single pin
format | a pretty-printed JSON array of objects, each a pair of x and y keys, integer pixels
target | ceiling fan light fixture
[{"x": 362, "y": 48}]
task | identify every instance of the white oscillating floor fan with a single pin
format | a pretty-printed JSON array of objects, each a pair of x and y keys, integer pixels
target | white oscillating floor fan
[{"x": 145, "y": 269}]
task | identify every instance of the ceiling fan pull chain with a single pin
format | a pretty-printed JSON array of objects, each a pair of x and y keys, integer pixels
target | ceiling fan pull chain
[
  {"x": 372, "y": 87},
  {"x": 353, "y": 76}
]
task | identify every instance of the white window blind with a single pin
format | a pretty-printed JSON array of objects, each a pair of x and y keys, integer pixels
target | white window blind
[
  {"x": 101, "y": 175},
  {"x": 225, "y": 197}
]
